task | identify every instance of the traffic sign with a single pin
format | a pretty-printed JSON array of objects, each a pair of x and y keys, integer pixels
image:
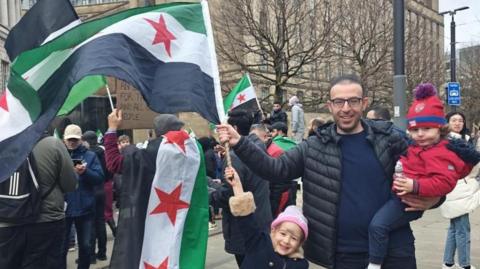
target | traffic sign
[{"x": 453, "y": 94}]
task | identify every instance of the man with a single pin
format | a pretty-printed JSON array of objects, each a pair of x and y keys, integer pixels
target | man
[
  {"x": 278, "y": 115},
  {"x": 40, "y": 244},
  {"x": 340, "y": 195},
  {"x": 382, "y": 113},
  {"x": 81, "y": 202},
  {"x": 298, "y": 120},
  {"x": 379, "y": 113},
  {"x": 261, "y": 131},
  {"x": 137, "y": 167},
  {"x": 282, "y": 194},
  {"x": 99, "y": 232},
  {"x": 234, "y": 241}
]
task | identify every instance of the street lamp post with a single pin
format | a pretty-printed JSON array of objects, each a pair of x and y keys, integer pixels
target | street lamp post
[
  {"x": 453, "y": 54},
  {"x": 399, "y": 78}
]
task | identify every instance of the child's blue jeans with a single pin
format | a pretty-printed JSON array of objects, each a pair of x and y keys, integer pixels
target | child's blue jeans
[{"x": 389, "y": 218}]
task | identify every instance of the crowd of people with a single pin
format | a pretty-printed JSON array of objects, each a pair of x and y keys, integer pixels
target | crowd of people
[{"x": 433, "y": 164}]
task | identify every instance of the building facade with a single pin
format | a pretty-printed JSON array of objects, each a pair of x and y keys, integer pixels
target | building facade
[{"x": 9, "y": 16}]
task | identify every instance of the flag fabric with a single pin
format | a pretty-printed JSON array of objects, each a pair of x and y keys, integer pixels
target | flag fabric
[
  {"x": 242, "y": 96},
  {"x": 168, "y": 228},
  {"x": 99, "y": 136},
  {"x": 279, "y": 145},
  {"x": 80, "y": 91},
  {"x": 165, "y": 51},
  {"x": 45, "y": 20}
]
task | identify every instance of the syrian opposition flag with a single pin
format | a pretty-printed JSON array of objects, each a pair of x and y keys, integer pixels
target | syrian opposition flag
[
  {"x": 165, "y": 51},
  {"x": 279, "y": 145},
  {"x": 44, "y": 21},
  {"x": 242, "y": 96},
  {"x": 166, "y": 227}
]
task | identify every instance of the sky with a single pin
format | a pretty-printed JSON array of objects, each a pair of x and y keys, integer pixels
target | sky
[{"x": 467, "y": 22}]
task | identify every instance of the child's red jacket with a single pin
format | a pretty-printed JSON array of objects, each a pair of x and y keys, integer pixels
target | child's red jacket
[{"x": 434, "y": 169}]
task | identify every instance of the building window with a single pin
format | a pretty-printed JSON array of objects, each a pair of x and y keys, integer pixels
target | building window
[
  {"x": 265, "y": 93},
  {"x": 284, "y": 95},
  {"x": 4, "y": 71},
  {"x": 315, "y": 100}
]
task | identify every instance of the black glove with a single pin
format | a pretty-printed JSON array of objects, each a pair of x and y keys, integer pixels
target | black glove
[{"x": 464, "y": 150}]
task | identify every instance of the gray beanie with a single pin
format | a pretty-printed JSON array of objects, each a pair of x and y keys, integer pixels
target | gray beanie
[{"x": 166, "y": 122}]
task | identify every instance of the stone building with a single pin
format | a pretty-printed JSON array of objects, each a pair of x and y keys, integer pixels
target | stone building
[{"x": 9, "y": 16}]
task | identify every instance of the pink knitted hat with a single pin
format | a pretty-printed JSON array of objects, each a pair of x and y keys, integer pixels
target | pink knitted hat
[{"x": 292, "y": 214}]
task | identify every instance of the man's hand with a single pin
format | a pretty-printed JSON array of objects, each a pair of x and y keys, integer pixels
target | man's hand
[
  {"x": 80, "y": 168},
  {"x": 114, "y": 119},
  {"x": 403, "y": 185},
  {"x": 226, "y": 133},
  {"x": 418, "y": 203}
]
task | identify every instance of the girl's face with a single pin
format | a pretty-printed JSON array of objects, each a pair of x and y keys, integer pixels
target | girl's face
[
  {"x": 425, "y": 136},
  {"x": 286, "y": 238},
  {"x": 456, "y": 123}
]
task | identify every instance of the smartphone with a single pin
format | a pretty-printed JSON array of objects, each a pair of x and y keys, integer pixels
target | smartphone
[{"x": 77, "y": 161}]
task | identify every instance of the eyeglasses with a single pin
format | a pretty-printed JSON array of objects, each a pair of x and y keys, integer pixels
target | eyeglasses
[{"x": 353, "y": 102}]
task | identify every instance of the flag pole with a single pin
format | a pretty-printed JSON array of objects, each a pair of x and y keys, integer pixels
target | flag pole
[
  {"x": 109, "y": 97},
  {"x": 215, "y": 74}
]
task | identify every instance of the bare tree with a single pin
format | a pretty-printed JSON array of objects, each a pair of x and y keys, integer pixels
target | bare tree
[
  {"x": 424, "y": 60},
  {"x": 363, "y": 45},
  {"x": 274, "y": 40}
]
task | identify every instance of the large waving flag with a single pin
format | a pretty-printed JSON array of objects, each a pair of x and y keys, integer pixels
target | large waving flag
[
  {"x": 44, "y": 21},
  {"x": 164, "y": 223},
  {"x": 165, "y": 51},
  {"x": 41, "y": 24}
]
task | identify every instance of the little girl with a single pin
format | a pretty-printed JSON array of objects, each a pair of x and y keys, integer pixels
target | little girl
[
  {"x": 279, "y": 249},
  {"x": 428, "y": 169}
]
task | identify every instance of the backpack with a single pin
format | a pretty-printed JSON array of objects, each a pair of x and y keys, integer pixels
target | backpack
[{"x": 20, "y": 198}]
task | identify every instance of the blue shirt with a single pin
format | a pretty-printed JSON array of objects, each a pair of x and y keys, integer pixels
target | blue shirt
[{"x": 365, "y": 189}]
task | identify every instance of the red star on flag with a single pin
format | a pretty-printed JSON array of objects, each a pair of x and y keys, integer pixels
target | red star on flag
[
  {"x": 3, "y": 101},
  {"x": 163, "y": 265},
  {"x": 241, "y": 97},
  {"x": 178, "y": 138},
  {"x": 163, "y": 35},
  {"x": 170, "y": 203}
]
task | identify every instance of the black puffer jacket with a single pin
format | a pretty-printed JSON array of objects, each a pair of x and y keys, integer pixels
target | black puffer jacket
[
  {"x": 234, "y": 241},
  {"x": 318, "y": 161}
]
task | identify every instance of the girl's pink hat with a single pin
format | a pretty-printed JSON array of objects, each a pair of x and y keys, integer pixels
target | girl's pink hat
[{"x": 292, "y": 214}]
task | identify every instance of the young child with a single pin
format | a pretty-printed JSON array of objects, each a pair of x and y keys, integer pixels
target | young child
[
  {"x": 428, "y": 169},
  {"x": 279, "y": 249}
]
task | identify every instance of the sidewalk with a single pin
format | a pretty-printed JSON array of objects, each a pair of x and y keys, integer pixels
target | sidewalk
[{"x": 430, "y": 232}]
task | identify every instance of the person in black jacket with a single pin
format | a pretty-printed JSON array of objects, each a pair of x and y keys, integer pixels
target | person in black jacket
[
  {"x": 281, "y": 248},
  {"x": 340, "y": 195},
  {"x": 277, "y": 114},
  {"x": 234, "y": 242}
]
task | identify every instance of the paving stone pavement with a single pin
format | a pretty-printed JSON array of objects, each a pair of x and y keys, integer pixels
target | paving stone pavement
[{"x": 430, "y": 232}]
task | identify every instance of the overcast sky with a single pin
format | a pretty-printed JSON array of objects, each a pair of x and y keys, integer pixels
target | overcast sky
[{"x": 467, "y": 22}]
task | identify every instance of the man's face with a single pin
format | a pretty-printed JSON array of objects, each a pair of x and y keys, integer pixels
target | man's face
[
  {"x": 277, "y": 107},
  {"x": 72, "y": 143},
  {"x": 347, "y": 105},
  {"x": 276, "y": 132}
]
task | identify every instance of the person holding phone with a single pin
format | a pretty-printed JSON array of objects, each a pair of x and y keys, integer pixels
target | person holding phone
[{"x": 81, "y": 202}]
